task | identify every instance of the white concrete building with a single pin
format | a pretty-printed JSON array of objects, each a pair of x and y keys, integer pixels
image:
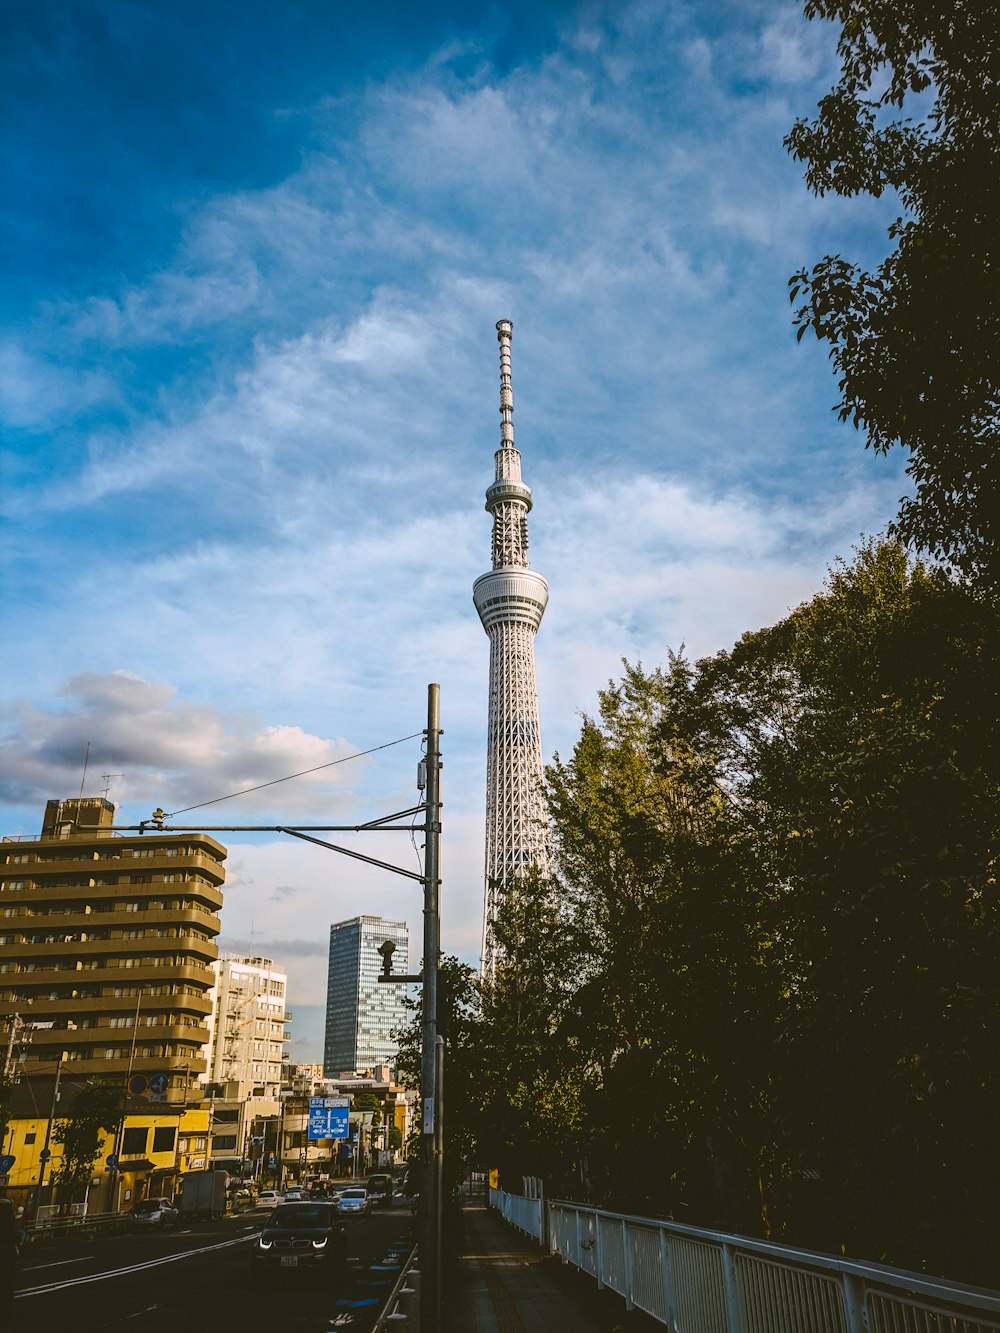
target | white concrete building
[{"x": 247, "y": 1028}]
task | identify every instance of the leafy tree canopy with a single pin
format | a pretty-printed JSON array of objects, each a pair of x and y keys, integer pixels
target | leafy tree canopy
[
  {"x": 916, "y": 342},
  {"x": 94, "y": 1111}
]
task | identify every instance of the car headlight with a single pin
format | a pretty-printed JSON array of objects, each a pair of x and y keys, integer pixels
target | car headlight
[
  {"x": 319, "y": 1244},
  {"x": 265, "y": 1244}
]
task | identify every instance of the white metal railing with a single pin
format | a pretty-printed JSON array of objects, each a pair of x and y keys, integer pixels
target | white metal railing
[
  {"x": 525, "y": 1214},
  {"x": 698, "y": 1281}
]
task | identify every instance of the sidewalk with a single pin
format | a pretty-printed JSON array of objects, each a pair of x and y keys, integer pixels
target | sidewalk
[{"x": 507, "y": 1284}]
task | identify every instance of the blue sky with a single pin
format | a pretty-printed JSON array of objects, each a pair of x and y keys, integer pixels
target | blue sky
[{"x": 253, "y": 260}]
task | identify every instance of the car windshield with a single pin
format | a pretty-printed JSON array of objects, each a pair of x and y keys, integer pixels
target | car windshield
[
  {"x": 151, "y": 1206},
  {"x": 300, "y": 1215}
]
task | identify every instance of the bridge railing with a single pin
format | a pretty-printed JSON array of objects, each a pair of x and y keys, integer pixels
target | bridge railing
[
  {"x": 699, "y": 1281},
  {"x": 528, "y": 1215}
]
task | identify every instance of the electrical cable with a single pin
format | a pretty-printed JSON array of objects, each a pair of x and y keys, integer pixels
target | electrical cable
[{"x": 260, "y": 786}]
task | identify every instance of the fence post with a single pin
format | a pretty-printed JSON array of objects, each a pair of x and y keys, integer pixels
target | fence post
[
  {"x": 579, "y": 1251},
  {"x": 627, "y": 1257},
  {"x": 734, "y": 1306},
  {"x": 854, "y": 1304},
  {"x": 667, "y": 1274},
  {"x": 599, "y": 1251}
]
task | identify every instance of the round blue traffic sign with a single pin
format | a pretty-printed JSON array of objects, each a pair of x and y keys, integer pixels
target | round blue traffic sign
[
  {"x": 159, "y": 1083},
  {"x": 112, "y": 1159}
]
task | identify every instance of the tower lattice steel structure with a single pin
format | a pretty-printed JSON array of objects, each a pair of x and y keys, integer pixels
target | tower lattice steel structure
[{"x": 511, "y": 601}]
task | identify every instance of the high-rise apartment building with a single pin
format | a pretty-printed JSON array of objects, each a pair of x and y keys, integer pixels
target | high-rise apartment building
[
  {"x": 362, "y": 1015},
  {"x": 511, "y": 601},
  {"x": 106, "y": 947},
  {"x": 247, "y": 1026}
]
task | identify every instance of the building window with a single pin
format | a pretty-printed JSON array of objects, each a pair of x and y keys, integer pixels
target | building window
[
  {"x": 29, "y": 1138},
  {"x": 221, "y": 1142},
  {"x": 134, "y": 1142},
  {"x": 164, "y": 1137}
]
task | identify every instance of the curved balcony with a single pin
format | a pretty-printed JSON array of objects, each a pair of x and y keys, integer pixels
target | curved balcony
[
  {"x": 60, "y": 978},
  {"x": 73, "y": 1006},
  {"x": 46, "y": 894},
  {"x": 65, "y": 1038}
]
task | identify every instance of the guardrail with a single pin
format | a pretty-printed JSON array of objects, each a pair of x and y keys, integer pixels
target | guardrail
[
  {"x": 528, "y": 1215},
  {"x": 61, "y": 1228},
  {"x": 698, "y": 1281},
  {"x": 403, "y": 1304}
]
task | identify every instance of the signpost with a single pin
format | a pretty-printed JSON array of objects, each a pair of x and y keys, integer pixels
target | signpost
[{"x": 329, "y": 1117}]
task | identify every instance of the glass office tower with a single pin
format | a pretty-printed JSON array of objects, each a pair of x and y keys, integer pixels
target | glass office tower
[{"x": 361, "y": 1014}]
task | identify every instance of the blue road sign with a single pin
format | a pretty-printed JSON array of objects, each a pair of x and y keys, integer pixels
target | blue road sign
[
  {"x": 5, "y": 1164},
  {"x": 159, "y": 1084},
  {"x": 329, "y": 1117},
  {"x": 112, "y": 1159},
  {"x": 45, "y": 1154}
]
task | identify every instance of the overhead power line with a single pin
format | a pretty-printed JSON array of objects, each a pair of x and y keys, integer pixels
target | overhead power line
[{"x": 261, "y": 785}]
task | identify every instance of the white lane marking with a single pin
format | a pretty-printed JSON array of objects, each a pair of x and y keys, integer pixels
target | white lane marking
[
  {"x": 133, "y": 1268},
  {"x": 34, "y": 1268}
]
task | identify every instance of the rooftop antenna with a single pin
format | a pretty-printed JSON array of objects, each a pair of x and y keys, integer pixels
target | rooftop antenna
[
  {"x": 86, "y": 757},
  {"x": 106, "y": 778}
]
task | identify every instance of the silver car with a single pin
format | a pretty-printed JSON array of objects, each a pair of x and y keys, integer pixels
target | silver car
[
  {"x": 354, "y": 1202},
  {"x": 156, "y": 1213}
]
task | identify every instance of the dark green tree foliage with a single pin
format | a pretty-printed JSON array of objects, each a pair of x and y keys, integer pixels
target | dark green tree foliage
[
  {"x": 916, "y": 342},
  {"x": 531, "y": 1074},
  {"x": 94, "y": 1111},
  {"x": 776, "y": 933},
  {"x": 864, "y": 732},
  {"x": 456, "y": 1009},
  {"x": 676, "y": 999}
]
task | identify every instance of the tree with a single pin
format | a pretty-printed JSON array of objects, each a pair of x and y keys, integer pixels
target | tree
[
  {"x": 94, "y": 1111},
  {"x": 916, "y": 342},
  {"x": 531, "y": 1083},
  {"x": 860, "y": 737},
  {"x": 674, "y": 1009},
  {"x": 457, "y": 999}
]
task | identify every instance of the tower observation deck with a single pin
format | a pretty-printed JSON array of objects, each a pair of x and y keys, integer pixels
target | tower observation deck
[{"x": 511, "y": 601}]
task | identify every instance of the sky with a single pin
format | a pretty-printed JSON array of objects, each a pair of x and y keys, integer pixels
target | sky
[{"x": 253, "y": 257}]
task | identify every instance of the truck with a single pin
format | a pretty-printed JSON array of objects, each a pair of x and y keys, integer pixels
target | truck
[{"x": 203, "y": 1194}]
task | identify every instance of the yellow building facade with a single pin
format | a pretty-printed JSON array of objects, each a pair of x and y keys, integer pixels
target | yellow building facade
[{"x": 158, "y": 1143}]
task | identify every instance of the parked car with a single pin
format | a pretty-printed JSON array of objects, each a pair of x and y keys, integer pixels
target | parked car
[
  {"x": 267, "y": 1199},
  {"x": 380, "y": 1190},
  {"x": 354, "y": 1202},
  {"x": 158, "y": 1213},
  {"x": 301, "y": 1235}
]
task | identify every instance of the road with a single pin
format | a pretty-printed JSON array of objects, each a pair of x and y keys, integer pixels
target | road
[{"x": 198, "y": 1277}]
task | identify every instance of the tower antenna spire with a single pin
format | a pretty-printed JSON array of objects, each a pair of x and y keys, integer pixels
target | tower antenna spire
[{"x": 511, "y": 601}]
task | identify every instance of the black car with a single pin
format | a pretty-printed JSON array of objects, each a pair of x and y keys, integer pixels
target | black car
[
  {"x": 380, "y": 1190},
  {"x": 301, "y": 1235}
]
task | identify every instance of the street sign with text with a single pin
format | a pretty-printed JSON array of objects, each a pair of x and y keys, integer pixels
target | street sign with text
[{"x": 329, "y": 1117}]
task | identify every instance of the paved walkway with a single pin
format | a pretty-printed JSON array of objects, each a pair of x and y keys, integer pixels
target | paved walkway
[{"x": 506, "y": 1284}]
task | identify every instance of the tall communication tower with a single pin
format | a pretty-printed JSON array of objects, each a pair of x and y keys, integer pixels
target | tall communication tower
[{"x": 511, "y": 601}]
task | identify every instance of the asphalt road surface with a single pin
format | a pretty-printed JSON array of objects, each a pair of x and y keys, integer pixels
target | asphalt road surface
[{"x": 198, "y": 1277}]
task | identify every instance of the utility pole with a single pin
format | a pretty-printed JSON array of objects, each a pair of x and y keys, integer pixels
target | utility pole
[{"x": 430, "y": 1191}]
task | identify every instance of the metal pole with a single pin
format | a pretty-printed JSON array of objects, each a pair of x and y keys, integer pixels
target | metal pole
[
  {"x": 120, "y": 1136},
  {"x": 46, "y": 1151},
  {"x": 430, "y": 1201},
  {"x": 439, "y": 1149}
]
